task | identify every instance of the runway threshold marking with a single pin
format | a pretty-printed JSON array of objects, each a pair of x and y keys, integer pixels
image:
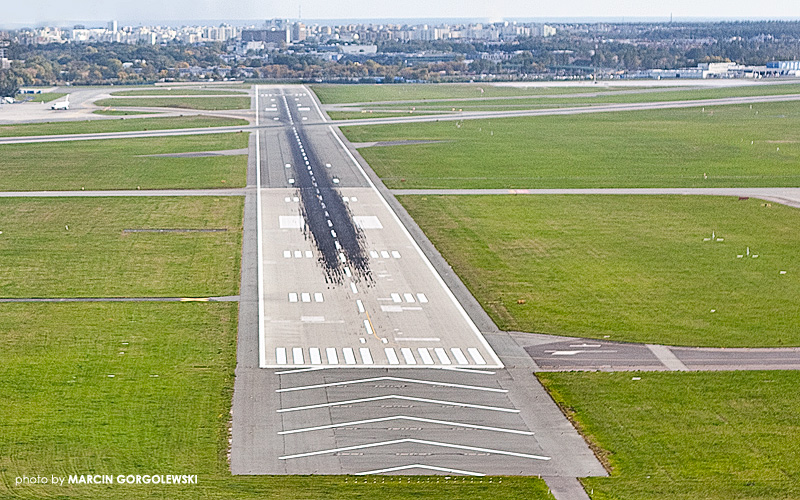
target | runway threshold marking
[
  {"x": 415, "y": 441},
  {"x": 397, "y": 396},
  {"x": 420, "y": 466},
  {"x": 393, "y": 379}
]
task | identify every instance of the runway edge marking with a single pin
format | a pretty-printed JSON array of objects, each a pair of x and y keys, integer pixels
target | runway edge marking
[
  {"x": 262, "y": 353},
  {"x": 484, "y": 343}
]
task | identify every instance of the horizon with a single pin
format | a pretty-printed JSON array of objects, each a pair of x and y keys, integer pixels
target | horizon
[{"x": 177, "y": 22}]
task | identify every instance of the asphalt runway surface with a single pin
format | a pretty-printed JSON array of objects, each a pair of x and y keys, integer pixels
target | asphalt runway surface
[{"x": 365, "y": 362}]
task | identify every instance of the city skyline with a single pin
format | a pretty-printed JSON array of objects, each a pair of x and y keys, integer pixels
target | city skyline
[{"x": 148, "y": 11}]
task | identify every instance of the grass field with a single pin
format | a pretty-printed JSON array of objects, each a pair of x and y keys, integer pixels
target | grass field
[
  {"x": 206, "y": 103},
  {"x": 633, "y": 268},
  {"x": 95, "y": 258},
  {"x": 606, "y": 97},
  {"x": 119, "y": 164},
  {"x": 658, "y": 148},
  {"x": 176, "y": 92},
  {"x": 122, "y": 125},
  {"x": 165, "y": 410},
  {"x": 358, "y": 115},
  {"x": 43, "y": 97},
  {"x": 687, "y": 436},
  {"x": 339, "y": 94},
  {"x": 120, "y": 112}
]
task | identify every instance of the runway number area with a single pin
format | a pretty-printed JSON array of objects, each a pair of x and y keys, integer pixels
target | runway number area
[{"x": 341, "y": 281}]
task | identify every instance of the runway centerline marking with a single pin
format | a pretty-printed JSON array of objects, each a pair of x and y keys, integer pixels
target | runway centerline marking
[
  {"x": 415, "y": 441},
  {"x": 397, "y": 396},
  {"x": 393, "y": 379},
  {"x": 407, "y": 417}
]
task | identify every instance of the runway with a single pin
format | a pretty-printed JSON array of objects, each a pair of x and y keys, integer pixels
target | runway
[{"x": 354, "y": 355}]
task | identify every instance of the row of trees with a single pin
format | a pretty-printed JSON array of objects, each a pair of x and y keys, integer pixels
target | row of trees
[{"x": 664, "y": 46}]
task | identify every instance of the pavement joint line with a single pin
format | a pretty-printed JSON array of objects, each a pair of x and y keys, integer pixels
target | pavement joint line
[
  {"x": 407, "y": 417},
  {"x": 448, "y": 292},
  {"x": 395, "y": 379},
  {"x": 415, "y": 441},
  {"x": 420, "y": 466},
  {"x": 397, "y": 396}
]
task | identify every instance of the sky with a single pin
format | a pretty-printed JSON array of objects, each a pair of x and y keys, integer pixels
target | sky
[{"x": 60, "y": 12}]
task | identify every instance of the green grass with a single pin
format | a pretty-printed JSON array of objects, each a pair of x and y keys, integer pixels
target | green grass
[
  {"x": 176, "y": 92},
  {"x": 118, "y": 164},
  {"x": 165, "y": 411},
  {"x": 685, "y": 436},
  {"x": 206, "y": 103},
  {"x": 340, "y": 94},
  {"x": 120, "y": 112},
  {"x": 633, "y": 268},
  {"x": 43, "y": 97},
  {"x": 95, "y": 258},
  {"x": 658, "y": 148},
  {"x": 606, "y": 97},
  {"x": 122, "y": 125},
  {"x": 358, "y": 115}
]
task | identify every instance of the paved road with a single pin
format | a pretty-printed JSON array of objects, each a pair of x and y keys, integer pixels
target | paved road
[
  {"x": 122, "y": 192},
  {"x": 383, "y": 375},
  {"x": 786, "y": 196},
  {"x": 227, "y": 298},
  {"x": 467, "y": 115},
  {"x": 552, "y": 353},
  {"x": 600, "y": 108}
]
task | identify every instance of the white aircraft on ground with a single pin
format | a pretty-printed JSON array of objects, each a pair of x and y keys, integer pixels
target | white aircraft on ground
[{"x": 61, "y": 104}]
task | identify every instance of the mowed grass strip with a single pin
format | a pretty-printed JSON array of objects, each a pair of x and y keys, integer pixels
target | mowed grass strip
[
  {"x": 176, "y": 92},
  {"x": 207, "y": 103},
  {"x": 76, "y": 247},
  {"x": 630, "y": 268},
  {"x": 582, "y": 97},
  {"x": 119, "y": 112},
  {"x": 166, "y": 409},
  {"x": 340, "y": 94},
  {"x": 718, "y": 435},
  {"x": 733, "y": 145},
  {"x": 123, "y": 164},
  {"x": 358, "y": 115},
  {"x": 122, "y": 125}
]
